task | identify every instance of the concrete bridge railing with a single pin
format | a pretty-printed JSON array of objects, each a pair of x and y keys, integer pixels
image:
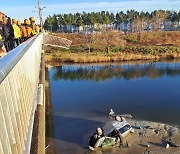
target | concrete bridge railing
[{"x": 19, "y": 76}]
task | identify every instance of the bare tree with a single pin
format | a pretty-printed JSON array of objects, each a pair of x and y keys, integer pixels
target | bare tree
[
  {"x": 158, "y": 17},
  {"x": 108, "y": 38},
  {"x": 88, "y": 39}
]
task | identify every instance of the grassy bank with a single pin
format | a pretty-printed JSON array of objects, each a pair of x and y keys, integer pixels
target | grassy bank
[
  {"x": 84, "y": 57},
  {"x": 117, "y": 46}
]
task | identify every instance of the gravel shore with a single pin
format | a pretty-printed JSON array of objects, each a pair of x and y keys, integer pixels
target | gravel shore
[{"x": 148, "y": 138}]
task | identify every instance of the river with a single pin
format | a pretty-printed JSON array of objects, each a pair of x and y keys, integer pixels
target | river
[{"x": 82, "y": 95}]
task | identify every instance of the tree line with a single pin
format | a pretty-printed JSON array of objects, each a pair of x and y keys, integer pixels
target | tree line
[{"x": 135, "y": 18}]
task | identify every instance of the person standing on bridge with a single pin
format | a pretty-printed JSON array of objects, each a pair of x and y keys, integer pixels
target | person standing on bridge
[
  {"x": 19, "y": 25},
  {"x": 2, "y": 47},
  {"x": 35, "y": 28},
  {"x": 8, "y": 34},
  {"x": 26, "y": 30},
  {"x": 17, "y": 32}
]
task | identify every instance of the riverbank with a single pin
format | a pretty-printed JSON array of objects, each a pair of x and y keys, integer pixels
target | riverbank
[
  {"x": 115, "y": 46},
  {"x": 152, "y": 137},
  {"x": 64, "y": 57},
  {"x": 148, "y": 137}
]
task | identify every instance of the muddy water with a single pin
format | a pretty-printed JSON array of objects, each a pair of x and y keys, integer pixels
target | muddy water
[{"x": 83, "y": 94}]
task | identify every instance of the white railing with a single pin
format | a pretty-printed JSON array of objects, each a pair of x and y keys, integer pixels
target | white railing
[{"x": 19, "y": 76}]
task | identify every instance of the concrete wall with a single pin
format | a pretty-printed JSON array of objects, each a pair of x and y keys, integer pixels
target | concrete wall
[{"x": 19, "y": 78}]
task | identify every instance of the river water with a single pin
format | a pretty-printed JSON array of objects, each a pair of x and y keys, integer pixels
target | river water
[{"x": 83, "y": 94}]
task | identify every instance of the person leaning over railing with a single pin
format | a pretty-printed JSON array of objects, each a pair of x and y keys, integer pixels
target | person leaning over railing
[
  {"x": 26, "y": 31},
  {"x": 35, "y": 28},
  {"x": 17, "y": 32}
]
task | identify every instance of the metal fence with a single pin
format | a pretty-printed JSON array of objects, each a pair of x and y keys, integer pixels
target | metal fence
[
  {"x": 19, "y": 75},
  {"x": 55, "y": 41}
]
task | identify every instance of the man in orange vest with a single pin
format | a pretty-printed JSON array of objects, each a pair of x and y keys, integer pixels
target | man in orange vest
[
  {"x": 26, "y": 30},
  {"x": 35, "y": 28}
]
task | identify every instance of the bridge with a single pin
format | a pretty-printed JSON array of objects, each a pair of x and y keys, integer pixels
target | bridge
[{"x": 22, "y": 94}]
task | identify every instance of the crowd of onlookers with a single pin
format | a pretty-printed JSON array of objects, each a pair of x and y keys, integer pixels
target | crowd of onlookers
[{"x": 13, "y": 33}]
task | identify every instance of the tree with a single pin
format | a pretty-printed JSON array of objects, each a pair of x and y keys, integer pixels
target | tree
[
  {"x": 107, "y": 39},
  {"x": 136, "y": 19},
  {"x": 49, "y": 22},
  {"x": 98, "y": 18},
  {"x": 158, "y": 17},
  {"x": 79, "y": 19},
  {"x": 92, "y": 18},
  {"x": 55, "y": 26},
  {"x": 112, "y": 18}
]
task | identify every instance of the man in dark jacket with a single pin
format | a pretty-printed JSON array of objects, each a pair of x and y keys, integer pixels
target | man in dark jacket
[
  {"x": 8, "y": 35},
  {"x": 2, "y": 48},
  {"x": 95, "y": 138}
]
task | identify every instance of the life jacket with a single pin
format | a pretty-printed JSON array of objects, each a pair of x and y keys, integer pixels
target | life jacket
[
  {"x": 26, "y": 31},
  {"x": 17, "y": 32}
]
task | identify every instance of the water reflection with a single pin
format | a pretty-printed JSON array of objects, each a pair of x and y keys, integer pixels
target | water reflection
[{"x": 127, "y": 72}]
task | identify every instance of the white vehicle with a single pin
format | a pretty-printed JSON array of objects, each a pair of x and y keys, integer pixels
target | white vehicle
[
  {"x": 123, "y": 127},
  {"x": 112, "y": 131}
]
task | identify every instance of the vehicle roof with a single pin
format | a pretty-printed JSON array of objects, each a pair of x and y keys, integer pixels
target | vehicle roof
[{"x": 113, "y": 124}]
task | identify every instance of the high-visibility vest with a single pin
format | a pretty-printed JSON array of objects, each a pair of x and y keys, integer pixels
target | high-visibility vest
[
  {"x": 26, "y": 31},
  {"x": 35, "y": 28},
  {"x": 0, "y": 37},
  {"x": 17, "y": 32}
]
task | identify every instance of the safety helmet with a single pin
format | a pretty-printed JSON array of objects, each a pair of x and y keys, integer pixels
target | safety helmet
[
  {"x": 18, "y": 23},
  {"x": 26, "y": 22},
  {"x": 32, "y": 19},
  {"x": 14, "y": 21}
]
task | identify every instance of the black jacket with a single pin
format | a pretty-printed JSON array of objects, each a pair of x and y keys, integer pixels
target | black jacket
[{"x": 7, "y": 32}]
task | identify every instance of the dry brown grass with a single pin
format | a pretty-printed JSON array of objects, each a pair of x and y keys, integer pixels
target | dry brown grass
[
  {"x": 100, "y": 41},
  {"x": 118, "y": 38},
  {"x": 110, "y": 38},
  {"x": 93, "y": 58},
  {"x": 158, "y": 38}
]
